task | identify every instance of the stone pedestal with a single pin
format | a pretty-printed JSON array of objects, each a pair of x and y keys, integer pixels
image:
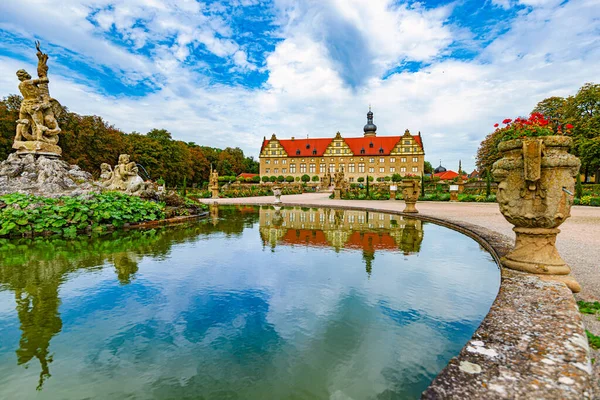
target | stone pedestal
[
  {"x": 535, "y": 176},
  {"x": 337, "y": 194},
  {"x": 392, "y": 195},
  {"x": 454, "y": 195},
  {"x": 214, "y": 192},
  {"x": 277, "y": 193},
  {"x": 37, "y": 148}
]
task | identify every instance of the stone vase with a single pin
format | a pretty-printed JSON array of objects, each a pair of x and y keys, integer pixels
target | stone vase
[
  {"x": 535, "y": 186},
  {"x": 411, "y": 189}
]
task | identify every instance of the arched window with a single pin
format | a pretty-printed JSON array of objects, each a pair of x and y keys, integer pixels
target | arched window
[
  {"x": 362, "y": 151},
  {"x": 298, "y": 152},
  {"x": 381, "y": 150},
  {"x": 371, "y": 145},
  {"x": 314, "y": 151}
]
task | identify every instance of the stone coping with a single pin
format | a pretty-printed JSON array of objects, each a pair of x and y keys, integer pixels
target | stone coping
[{"x": 531, "y": 344}]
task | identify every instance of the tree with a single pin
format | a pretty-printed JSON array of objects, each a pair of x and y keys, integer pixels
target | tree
[
  {"x": 305, "y": 178},
  {"x": 316, "y": 178},
  {"x": 487, "y": 153},
  {"x": 265, "y": 179},
  {"x": 289, "y": 179},
  {"x": 396, "y": 177},
  {"x": 280, "y": 178},
  {"x": 427, "y": 168},
  {"x": 553, "y": 108}
]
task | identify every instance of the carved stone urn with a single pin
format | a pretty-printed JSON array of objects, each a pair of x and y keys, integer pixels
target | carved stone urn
[
  {"x": 277, "y": 193},
  {"x": 535, "y": 186},
  {"x": 411, "y": 189}
]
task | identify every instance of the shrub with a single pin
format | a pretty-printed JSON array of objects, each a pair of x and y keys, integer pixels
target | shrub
[
  {"x": 316, "y": 178},
  {"x": 360, "y": 179},
  {"x": 273, "y": 178},
  {"x": 387, "y": 178},
  {"x": 265, "y": 179},
  {"x": 305, "y": 178},
  {"x": 255, "y": 179},
  {"x": 289, "y": 179},
  {"x": 297, "y": 179},
  {"x": 396, "y": 178},
  {"x": 371, "y": 179},
  {"x": 280, "y": 178}
]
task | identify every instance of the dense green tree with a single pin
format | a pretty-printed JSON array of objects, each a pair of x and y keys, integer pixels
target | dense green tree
[{"x": 428, "y": 169}]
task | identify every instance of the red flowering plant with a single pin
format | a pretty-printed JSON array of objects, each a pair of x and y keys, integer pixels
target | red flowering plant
[{"x": 535, "y": 125}]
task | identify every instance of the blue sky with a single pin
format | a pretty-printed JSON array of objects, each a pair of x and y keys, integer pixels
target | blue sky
[{"x": 227, "y": 73}]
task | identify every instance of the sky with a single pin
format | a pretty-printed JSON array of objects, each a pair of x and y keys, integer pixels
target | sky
[{"x": 228, "y": 73}]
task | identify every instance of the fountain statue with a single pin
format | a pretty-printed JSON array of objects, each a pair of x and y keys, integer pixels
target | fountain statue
[
  {"x": 36, "y": 168},
  {"x": 37, "y": 127},
  {"x": 124, "y": 177}
]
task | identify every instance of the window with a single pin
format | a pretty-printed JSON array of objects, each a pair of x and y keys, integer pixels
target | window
[
  {"x": 322, "y": 168},
  {"x": 371, "y": 170},
  {"x": 407, "y": 142},
  {"x": 298, "y": 152},
  {"x": 292, "y": 168},
  {"x": 393, "y": 160},
  {"x": 351, "y": 168},
  {"x": 267, "y": 171},
  {"x": 307, "y": 145},
  {"x": 268, "y": 162},
  {"x": 302, "y": 168},
  {"x": 362, "y": 151},
  {"x": 331, "y": 168},
  {"x": 337, "y": 151},
  {"x": 406, "y": 149},
  {"x": 284, "y": 161},
  {"x": 337, "y": 144},
  {"x": 311, "y": 168},
  {"x": 403, "y": 169},
  {"x": 273, "y": 144},
  {"x": 273, "y": 152},
  {"x": 381, "y": 169},
  {"x": 275, "y": 161},
  {"x": 415, "y": 169},
  {"x": 361, "y": 167},
  {"x": 381, "y": 150},
  {"x": 342, "y": 167},
  {"x": 371, "y": 160},
  {"x": 276, "y": 171},
  {"x": 371, "y": 145},
  {"x": 392, "y": 169},
  {"x": 415, "y": 159},
  {"x": 283, "y": 170},
  {"x": 382, "y": 160},
  {"x": 403, "y": 159},
  {"x": 314, "y": 152}
]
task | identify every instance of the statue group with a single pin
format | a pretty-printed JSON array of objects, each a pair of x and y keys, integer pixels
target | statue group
[
  {"x": 37, "y": 126},
  {"x": 124, "y": 177}
]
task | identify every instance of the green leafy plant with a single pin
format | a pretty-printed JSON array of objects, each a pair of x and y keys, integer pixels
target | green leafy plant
[
  {"x": 587, "y": 307},
  {"x": 593, "y": 340}
]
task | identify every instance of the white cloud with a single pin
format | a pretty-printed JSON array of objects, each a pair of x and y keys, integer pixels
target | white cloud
[{"x": 550, "y": 49}]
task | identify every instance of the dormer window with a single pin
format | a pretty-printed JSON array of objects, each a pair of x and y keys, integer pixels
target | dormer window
[
  {"x": 314, "y": 151},
  {"x": 371, "y": 145},
  {"x": 298, "y": 152},
  {"x": 362, "y": 151},
  {"x": 307, "y": 145},
  {"x": 381, "y": 150}
]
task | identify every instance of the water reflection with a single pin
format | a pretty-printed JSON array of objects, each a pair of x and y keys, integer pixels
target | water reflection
[
  {"x": 35, "y": 268},
  {"x": 250, "y": 303},
  {"x": 369, "y": 232}
]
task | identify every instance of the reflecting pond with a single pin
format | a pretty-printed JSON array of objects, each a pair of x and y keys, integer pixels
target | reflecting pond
[{"x": 250, "y": 303}]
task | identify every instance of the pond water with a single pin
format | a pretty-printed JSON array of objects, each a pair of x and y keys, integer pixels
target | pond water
[{"x": 251, "y": 303}]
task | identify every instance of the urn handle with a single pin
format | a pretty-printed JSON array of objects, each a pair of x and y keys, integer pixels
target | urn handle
[{"x": 532, "y": 161}]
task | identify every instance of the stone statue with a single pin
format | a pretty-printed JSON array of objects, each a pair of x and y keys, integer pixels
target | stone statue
[
  {"x": 37, "y": 127},
  {"x": 338, "y": 182},
  {"x": 124, "y": 177},
  {"x": 214, "y": 183}
]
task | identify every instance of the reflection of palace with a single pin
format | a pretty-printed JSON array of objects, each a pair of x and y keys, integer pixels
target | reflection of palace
[{"x": 341, "y": 229}]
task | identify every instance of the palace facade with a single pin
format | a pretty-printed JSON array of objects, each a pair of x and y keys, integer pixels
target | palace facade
[{"x": 372, "y": 155}]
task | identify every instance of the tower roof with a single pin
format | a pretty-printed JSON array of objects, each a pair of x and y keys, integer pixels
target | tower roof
[{"x": 370, "y": 128}]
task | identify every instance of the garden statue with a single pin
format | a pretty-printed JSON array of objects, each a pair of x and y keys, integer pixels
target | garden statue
[
  {"x": 277, "y": 193},
  {"x": 535, "y": 184},
  {"x": 214, "y": 183},
  {"x": 123, "y": 178},
  {"x": 411, "y": 189},
  {"x": 37, "y": 128},
  {"x": 338, "y": 181}
]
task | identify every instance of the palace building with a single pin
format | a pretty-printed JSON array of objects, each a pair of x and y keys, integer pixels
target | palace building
[{"x": 372, "y": 155}]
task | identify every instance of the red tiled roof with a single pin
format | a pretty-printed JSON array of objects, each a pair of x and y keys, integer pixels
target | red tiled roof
[
  {"x": 247, "y": 175},
  {"x": 448, "y": 175},
  {"x": 371, "y": 241},
  {"x": 305, "y": 237},
  {"x": 387, "y": 143}
]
